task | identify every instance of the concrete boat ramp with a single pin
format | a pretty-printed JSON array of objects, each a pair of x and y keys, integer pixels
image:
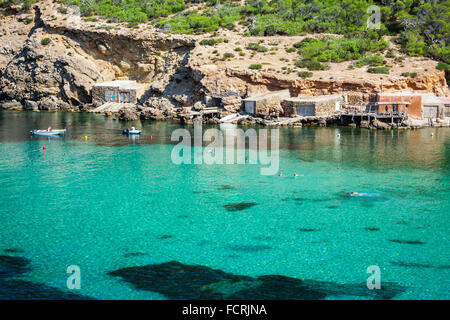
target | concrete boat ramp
[
  {"x": 112, "y": 107},
  {"x": 233, "y": 117},
  {"x": 284, "y": 121}
]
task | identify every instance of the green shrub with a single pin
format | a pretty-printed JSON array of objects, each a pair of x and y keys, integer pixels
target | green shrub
[
  {"x": 238, "y": 49},
  {"x": 210, "y": 42},
  {"x": 255, "y": 67},
  {"x": 62, "y": 10},
  {"x": 227, "y": 55},
  {"x": 45, "y": 41},
  {"x": 371, "y": 60},
  {"x": 338, "y": 49},
  {"x": 390, "y": 54},
  {"x": 379, "y": 70},
  {"x": 305, "y": 74},
  {"x": 409, "y": 74},
  {"x": 256, "y": 47},
  {"x": 443, "y": 66},
  {"x": 312, "y": 64}
]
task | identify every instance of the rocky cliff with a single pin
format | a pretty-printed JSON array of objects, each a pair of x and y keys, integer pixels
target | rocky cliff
[
  {"x": 55, "y": 65},
  {"x": 51, "y": 60}
]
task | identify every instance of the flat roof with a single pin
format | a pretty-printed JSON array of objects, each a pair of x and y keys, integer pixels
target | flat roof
[
  {"x": 225, "y": 94},
  {"x": 445, "y": 100},
  {"x": 268, "y": 94},
  {"x": 427, "y": 97},
  {"x": 122, "y": 84},
  {"x": 314, "y": 98},
  {"x": 393, "y": 102}
]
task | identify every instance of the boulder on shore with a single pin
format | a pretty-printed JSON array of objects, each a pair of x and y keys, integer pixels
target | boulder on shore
[{"x": 380, "y": 125}]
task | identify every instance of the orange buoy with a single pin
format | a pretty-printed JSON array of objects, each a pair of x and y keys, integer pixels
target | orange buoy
[{"x": 43, "y": 148}]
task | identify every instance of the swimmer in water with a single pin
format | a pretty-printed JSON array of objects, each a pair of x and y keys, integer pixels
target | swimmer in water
[
  {"x": 295, "y": 174},
  {"x": 280, "y": 174},
  {"x": 356, "y": 194}
]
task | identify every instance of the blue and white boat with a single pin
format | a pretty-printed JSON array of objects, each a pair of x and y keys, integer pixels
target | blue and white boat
[
  {"x": 48, "y": 132},
  {"x": 132, "y": 130}
]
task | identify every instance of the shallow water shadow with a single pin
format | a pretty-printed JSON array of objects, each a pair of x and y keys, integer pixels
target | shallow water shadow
[
  {"x": 407, "y": 241},
  {"x": 239, "y": 206},
  {"x": 180, "y": 281},
  {"x": 263, "y": 238},
  {"x": 226, "y": 187},
  {"x": 200, "y": 191},
  {"x": 14, "y": 250},
  {"x": 417, "y": 265},
  {"x": 134, "y": 254},
  {"x": 371, "y": 229},
  {"x": 307, "y": 230},
  {"x": 249, "y": 248},
  {"x": 17, "y": 289},
  {"x": 165, "y": 236}
]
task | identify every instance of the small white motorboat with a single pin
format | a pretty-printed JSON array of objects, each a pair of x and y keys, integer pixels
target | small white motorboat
[
  {"x": 132, "y": 130},
  {"x": 48, "y": 132}
]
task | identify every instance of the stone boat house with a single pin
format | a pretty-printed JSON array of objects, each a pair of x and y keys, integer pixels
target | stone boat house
[
  {"x": 421, "y": 105},
  {"x": 313, "y": 105},
  {"x": 268, "y": 103},
  {"x": 229, "y": 101},
  {"x": 120, "y": 91},
  {"x": 446, "y": 102}
]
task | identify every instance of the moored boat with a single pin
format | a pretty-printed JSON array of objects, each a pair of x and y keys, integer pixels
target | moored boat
[
  {"x": 48, "y": 132},
  {"x": 132, "y": 130}
]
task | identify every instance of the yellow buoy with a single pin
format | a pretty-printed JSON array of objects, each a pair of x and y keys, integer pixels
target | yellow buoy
[
  {"x": 85, "y": 137},
  {"x": 432, "y": 134}
]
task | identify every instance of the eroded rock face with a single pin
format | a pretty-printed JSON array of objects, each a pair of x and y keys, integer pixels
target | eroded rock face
[
  {"x": 46, "y": 74},
  {"x": 63, "y": 71}
]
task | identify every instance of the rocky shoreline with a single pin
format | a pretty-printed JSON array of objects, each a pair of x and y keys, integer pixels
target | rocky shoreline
[
  {"x": 165, "y": 112},
  {"x": 50, "y": 64}
]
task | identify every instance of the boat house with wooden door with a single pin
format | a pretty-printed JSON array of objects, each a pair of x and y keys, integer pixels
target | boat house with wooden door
[{"x": 120, "y": 91}]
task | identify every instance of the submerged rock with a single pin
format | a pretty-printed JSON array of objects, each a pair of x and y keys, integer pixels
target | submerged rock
[
  {"x": 226, "y": 187},
  {"x": 180, "y": 281},
  {"x": 250, "y": 248},
  {"x": 239, "y": 206},
  {"x": 16, "y": 289},
  {"x": 407, "y": 241}
]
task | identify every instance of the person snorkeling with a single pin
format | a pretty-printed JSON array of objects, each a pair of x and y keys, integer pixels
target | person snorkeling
[{"x": 356, "y": 194}]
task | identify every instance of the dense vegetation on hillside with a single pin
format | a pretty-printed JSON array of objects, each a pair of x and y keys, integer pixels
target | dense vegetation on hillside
[{"x": 422, "y": 27}]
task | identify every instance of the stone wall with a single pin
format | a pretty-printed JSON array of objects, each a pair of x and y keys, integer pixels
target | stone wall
[
  {"x": 289, "y": 108},
  {"x": 327, "y": 107},
  {"x": 322, "y": 107},
  {"x": 98, "y": 94},
  {"x": 269, "y": 106}
]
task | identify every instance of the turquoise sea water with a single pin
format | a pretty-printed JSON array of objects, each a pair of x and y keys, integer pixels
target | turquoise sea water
[{"x": 113, "y": 202}]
